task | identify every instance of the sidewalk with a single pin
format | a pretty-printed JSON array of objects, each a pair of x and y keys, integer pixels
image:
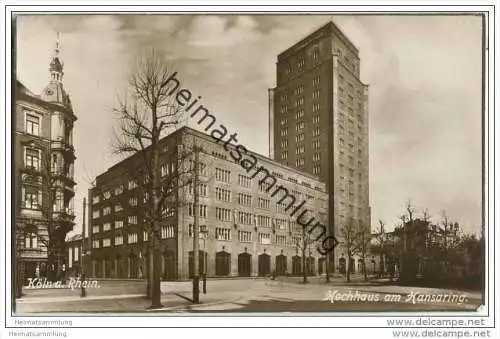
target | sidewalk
[
  {"x": 379, "y": 286},
  {"x": 58, "y": 299},
  {"x": 120, "y": 303}
]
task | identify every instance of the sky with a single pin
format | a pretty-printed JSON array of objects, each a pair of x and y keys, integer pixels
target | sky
[{"x": 423, "y": 72}]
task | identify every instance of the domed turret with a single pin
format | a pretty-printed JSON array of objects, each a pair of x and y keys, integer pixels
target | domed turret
[{"x": 54, "y": 92}]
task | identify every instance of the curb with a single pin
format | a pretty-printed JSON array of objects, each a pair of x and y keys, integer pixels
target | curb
[
  {"x": 194, "y": 306},
  {"x": 38, "y": 300},
  {"x": 75, "y": 298}
]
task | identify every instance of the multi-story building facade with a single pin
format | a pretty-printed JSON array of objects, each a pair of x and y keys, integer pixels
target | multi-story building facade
[
  {"x": 243, "y": 231},
  {"x": 43, "y": 177},
  {"x": 74, "y": 254},
  {"x": 319, "y": 123}
]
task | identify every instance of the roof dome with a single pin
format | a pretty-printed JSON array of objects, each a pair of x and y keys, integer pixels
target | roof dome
[{"x": 55, "y": 93}]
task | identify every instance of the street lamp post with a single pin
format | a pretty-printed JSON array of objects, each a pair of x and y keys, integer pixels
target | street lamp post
[
  {"x": 196, "y": 229},
  {"x": 205, "y": 234},
  {"x": 83, "y": 293}
]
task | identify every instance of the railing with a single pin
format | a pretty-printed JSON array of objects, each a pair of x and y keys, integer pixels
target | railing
[
  {"x": 65, "y": 214},
  {"x": 62, "y": 144}
]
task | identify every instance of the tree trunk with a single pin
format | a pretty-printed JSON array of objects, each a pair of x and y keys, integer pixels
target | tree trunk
[
  {"x": 156, "y": 283},
  {"x": 155, "y": 178},
  {"x": 150, "y": 270},
  {"x": 364, "y": 269},
  {"x": 19, "y": 276},
  {"x": 327, "y": 268},
  {"x": 304, "y": 247},
  {"x": 304, "y": 267},
  {"x": 381, "y": 266},
  {"x": 348, "y": 271}
]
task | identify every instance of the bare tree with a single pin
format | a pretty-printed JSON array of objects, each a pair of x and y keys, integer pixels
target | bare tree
[
  {"x": 304, "y": 244},
  {"x": 147, "y": 114},
  {"x": 410, "y": 210},
  {"x": 449, "y": 232},
  {"x": 362, "y": 242},
  {"x": 426, "y": 215},
  {"x": 349, "y": 236},
  {"x": 380, "y": 245}
]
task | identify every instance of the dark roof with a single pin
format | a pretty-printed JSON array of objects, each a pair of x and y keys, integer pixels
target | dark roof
[
  {"x": 329, "y": 28},
  {"x": 23, "y": 93},
  {"x": 207, "y": 137},
  {"x": 24, "y": 90}
]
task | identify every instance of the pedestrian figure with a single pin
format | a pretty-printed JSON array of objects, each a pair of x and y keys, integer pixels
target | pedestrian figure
[
  {"x": 391, "y": 271},
  {"x": 63, "y": 274}
]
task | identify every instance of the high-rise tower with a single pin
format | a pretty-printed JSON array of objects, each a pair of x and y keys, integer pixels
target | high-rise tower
[{"x": 319, "y": 124}]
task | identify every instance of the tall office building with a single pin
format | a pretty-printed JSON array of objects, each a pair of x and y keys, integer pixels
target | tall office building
[
  {"x": 244, "y": 229},
  {"x": 319, "y": 124}
]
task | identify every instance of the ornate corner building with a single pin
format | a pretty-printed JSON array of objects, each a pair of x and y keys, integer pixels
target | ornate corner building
[{"x": 44, "y": 186}]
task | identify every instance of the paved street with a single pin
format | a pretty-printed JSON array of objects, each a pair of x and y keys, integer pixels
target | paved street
[{"x": 245, "y": 295}]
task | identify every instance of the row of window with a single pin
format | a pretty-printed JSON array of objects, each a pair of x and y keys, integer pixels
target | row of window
[
  {"x": 225, "y": 234},
  {"x": 299, "y": 137},
  {"x": 223, "y": 214},
  {"x": 33, "y": 160},
  {"x": 219, "y": 155},
  {"x": 350, "y": 211},
  {"x": 301, "y": 62},
  {"x": 351, "y": 121},
  {"x": 244, "y": 199},
  {"x": 32, "y": 124},
  {"x": 202, "y": 210},
  {"x": 359, "y": 93},
  {"x": 167, "y": 232},
  {"x": 222, "y": 194},
  {"x": 222, "y": 175},
  {"x": 264, "y": 203},
  {"x": 31, "y": 197},
  {"x": 350, "y": 109},
  {"x": 350, "y": 158},
  {"x": 31, "y": 240},
  {"x": 245, "y": 218},
  {"x": 244, "y": 181},
  {"x": 202, "y": 167},
  {"x": 166, "y": 169},
  {"x": 350, "y": 145},
  {"x": 202, "y": 189},
  {"x": 299, "y": 90}
]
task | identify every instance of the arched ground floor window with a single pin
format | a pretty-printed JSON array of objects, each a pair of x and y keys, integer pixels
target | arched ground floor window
[
  {"x": 264, "y": 264},
  {"x": 244, "y": 264},
  {"x": 222, "y": 263}
]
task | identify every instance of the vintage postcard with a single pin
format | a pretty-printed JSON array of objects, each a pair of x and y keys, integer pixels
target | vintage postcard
[{"x": 169, "y": 163}]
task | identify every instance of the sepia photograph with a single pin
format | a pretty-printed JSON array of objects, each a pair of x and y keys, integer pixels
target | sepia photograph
[{"x": 178, "y": 164}]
